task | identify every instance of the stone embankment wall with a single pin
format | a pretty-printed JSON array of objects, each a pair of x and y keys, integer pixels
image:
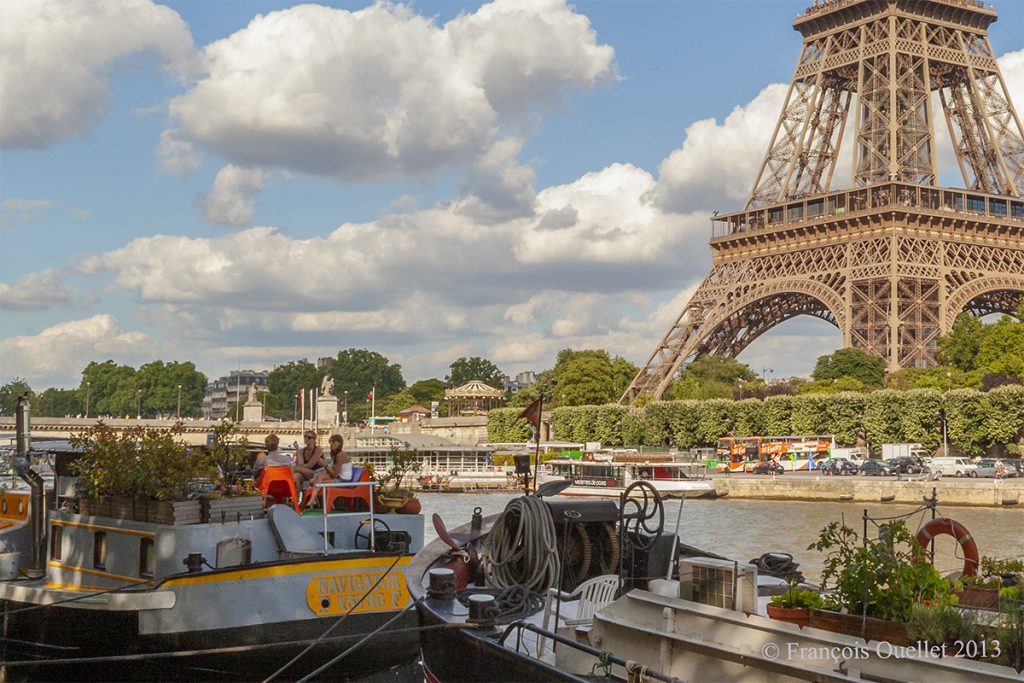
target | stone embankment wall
[{"x": 974, "y": 492}]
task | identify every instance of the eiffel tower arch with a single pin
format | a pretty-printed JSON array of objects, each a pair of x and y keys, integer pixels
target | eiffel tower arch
[{"x": 894, "y": 258}]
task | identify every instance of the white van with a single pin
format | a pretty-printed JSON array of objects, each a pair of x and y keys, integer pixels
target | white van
[{"x": 954, "y": 467}]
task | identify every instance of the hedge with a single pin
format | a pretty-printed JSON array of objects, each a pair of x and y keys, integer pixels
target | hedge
[{"x": 975, "y": 420}]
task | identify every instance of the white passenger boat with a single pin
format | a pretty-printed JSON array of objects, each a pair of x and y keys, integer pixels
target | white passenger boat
[{"x": 609, "y": 478}]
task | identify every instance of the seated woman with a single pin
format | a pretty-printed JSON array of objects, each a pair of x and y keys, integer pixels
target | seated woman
[
  {"x": 339, "y": 468},
  {"x": 308, "y": 460}
]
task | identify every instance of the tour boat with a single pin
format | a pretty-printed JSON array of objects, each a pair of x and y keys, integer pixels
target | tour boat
[
  {"x": 244, "y": 594},
  {"x": 609, "y": 478}
]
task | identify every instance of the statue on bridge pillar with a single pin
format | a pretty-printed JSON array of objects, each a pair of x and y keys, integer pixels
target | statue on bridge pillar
[{"x": 327, "y": 386}]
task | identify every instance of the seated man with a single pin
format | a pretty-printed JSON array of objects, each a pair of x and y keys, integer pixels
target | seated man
[{"x": 338, "y": 469}]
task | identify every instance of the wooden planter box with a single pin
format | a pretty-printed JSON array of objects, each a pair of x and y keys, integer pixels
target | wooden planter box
[
  {"x": 217, "y": 510},
  {"x": 801, "y": 616},
  {"x": 174, "y": 513},
  {"x": 851, "y": 625},
  {"x": 979, "y": 598}
]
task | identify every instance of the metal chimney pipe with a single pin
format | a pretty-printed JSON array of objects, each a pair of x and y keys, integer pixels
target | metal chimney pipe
[{"x": 37, "y": 504}]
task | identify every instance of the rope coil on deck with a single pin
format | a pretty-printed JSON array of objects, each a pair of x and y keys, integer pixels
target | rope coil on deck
[{"x": 523, "y": 550}]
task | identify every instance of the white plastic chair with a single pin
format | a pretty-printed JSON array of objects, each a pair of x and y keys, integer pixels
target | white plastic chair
[{"x": 592, "y": 594}]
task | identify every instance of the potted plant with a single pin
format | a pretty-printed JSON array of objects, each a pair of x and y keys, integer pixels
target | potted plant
[
  {"x": 875, "y": 582},
  {"x": 938, "y": 624},
  {"x": 795, "y": 605},
  {"x": 392, "y": 495},
  {"x": 982, "y": 591},
  {"x": 227, "y": 460}
]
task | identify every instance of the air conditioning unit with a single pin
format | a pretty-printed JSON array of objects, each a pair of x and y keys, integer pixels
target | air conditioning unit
[{"x": 719, "y": 583}]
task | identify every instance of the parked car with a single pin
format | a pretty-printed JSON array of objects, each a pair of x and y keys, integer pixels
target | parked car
[
  {"x": 953, "y": 467},
  {"x": 1018, "y": 465},
  {"x": 990, "y": 467},
  {"x": 841, "y": 466},
  {"x": 906, "y": 464},
  {"x": 877, "y": 468},
  {"x": 767, "y": 468}
]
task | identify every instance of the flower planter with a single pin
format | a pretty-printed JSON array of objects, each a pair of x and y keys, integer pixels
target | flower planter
[
  {"x": 854, "y": 625},
  {"x": 801, "y": 616},
  {"x": 122, "y": 507},
  {"x": 231, "y": 509},
  {"x": 391, "y": 505},
  {"x": 174, "y": 513},
  {"x": 979, "y": 598},
  {"x": 412, "y": 506}
]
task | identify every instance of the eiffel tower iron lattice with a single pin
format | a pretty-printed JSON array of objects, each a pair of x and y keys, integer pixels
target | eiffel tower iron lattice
[{"x": 893, "y": 259}]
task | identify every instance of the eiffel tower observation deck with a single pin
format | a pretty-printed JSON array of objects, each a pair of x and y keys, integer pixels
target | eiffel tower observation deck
[{"x": 894, "y": 258}]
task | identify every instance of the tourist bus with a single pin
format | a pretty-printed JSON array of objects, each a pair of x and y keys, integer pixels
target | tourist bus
[{"x": 792, "y": 452}]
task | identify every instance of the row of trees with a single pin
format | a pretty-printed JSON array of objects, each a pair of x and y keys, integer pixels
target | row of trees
[
  {"x": 975, "y": 420},
  {"x": 156, "y": 389}
]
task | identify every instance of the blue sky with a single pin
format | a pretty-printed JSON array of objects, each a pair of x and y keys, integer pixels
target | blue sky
[{"x": 246, "y": 183}]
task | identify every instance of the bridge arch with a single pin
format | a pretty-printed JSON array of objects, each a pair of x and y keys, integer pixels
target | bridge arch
[
  {"x": 985, "y": 295},
  {"x": 748, "y": 312}
]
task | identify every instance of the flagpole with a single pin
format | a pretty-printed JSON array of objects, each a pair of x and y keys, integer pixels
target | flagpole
[
  {"x": 373, "y": 409},
  {"x": 536, "y": 455}
]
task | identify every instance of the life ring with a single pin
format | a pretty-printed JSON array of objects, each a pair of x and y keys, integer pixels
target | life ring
[{"x": 944, "y": 525}]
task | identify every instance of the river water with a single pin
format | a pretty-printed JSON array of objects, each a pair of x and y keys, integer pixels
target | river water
[{"x": 744, "y": 529}]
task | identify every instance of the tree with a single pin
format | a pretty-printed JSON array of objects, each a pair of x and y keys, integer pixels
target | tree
[
  {"x": 585, "y": 379},
  {"x": 960, "y": 347},
  {"x": 712, "y": 377},
  {"x": 466, "y": 369},
  {"x": 396, "y": 403},
  {"x": 427, "y": 390},
  {"x": 9, "y": 394},
  {"x": 58, "y": 403},
  {"x": 286, "y": 381},
  {"x": 358, "y": 371},
  {"x": 111, "y": 387},
  {"x": 1001, "y": 348},
  {"x": 159, "y": 384},
  {"x": 623, "y": 373},
  {"x": 860, "y": 365}
]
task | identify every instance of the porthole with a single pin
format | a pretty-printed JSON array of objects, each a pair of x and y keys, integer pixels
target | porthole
[
  {"x": 3, "y": 506},
  {"x": 21, "y": 506}
]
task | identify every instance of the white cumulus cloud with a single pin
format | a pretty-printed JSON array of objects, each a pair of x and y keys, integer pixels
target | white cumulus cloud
[
  {"x": 232, "y": 200},
  {"x": 59, "y": 353},
  {"x": 36, "y": 291},
  {"x": 57, "y": 58},
  {"x": 382, "y": 91}
]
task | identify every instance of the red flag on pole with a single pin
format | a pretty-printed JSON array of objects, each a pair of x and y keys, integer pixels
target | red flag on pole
[
  {"x": 532, "y": 413},
  {"x": 369, "y": 396}
]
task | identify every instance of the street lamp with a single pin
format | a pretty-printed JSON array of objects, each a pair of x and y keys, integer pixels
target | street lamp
[
  {"x": 179, "y": 401},
  {"x": 764, "y": 371},
  {"x": 344, "y": 410},
  {"x": 138, "y": 404},
  {"x": 295, "y": 407},
  {"x": 88, "y": 387}
]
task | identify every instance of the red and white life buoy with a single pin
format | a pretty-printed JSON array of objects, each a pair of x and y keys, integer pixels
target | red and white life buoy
[{"x": 944, "y": 525}]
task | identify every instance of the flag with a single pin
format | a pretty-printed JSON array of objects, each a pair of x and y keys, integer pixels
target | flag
[
  {"x": 369, "y": 396},
  {"x": 532, "y": 413}
]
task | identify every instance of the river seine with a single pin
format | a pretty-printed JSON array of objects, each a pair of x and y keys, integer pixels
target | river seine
[{"x": 744, "y": 529}]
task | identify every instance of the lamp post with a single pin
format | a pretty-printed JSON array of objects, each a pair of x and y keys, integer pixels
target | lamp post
[
  {"x": 88, "y": 388},
  {"x": 295, "y": 407},
  {"x": 179, "y": 401},
  {"x": 764, "y": 371},
  {"x": 344, "y": 410},
  {"x": 138, "y": 404}
]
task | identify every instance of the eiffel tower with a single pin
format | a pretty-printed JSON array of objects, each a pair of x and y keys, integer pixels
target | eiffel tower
[{"x": 894, "y": 259}]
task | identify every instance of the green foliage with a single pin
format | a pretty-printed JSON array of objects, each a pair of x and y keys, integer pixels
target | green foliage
[
  {"x": 138, "y": 461},
  {"x": 867, "y": 368},
  {"x": 585, "y": 378},
  {"x": 357, "y": 371},
  {"x": 463, "y": 370},
  {"x": 973, "y": 347},
  {"x": 10, "y": 392},
  {"x": 711, "y": 377},
  {"x": 504, "y": 426},
  {"x": 879, "y": 577},
  {"x": 287, "y": 380},
  {"x": 111, "y": 388},
  {"x": 795, "y": 598},
  {"x": 402, "y": 463},
  {"x": 396, "y": 403},
  {"x": 938, "y": 624},
  {"x": 960, "y": 347},
  {"x": 427, "y": 390},
  {"x": 227, "y": 454},
  {"x": 57, "y": 403}
]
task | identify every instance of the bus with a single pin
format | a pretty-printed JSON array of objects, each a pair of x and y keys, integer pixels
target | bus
[{"x": 794, "y": 453}]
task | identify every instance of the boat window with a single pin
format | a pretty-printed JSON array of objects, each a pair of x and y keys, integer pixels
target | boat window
[
  {"x": 147, "y": 558},
  {"x": 56, "y": 542},
  {"x": 99, "y": 550}
]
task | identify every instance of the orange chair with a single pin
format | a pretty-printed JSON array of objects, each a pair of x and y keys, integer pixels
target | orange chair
[
  {"x": 350, "y": 494},
  {"x": 279, "y": 483}
]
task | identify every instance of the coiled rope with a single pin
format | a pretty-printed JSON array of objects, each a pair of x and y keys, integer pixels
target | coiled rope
[{"x": 523, "y": 550}]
